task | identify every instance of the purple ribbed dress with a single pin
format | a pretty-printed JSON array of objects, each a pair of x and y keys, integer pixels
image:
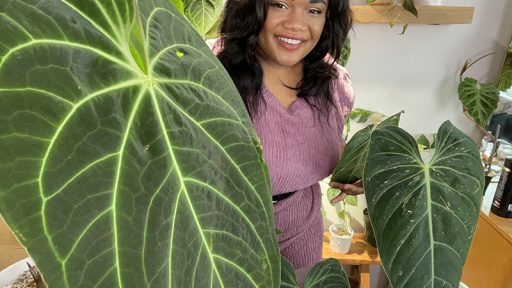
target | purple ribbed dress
[{"x": 301, "y": 148}]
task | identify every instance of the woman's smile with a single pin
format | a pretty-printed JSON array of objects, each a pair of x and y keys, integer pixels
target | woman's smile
[{"x": 290, "y": 32}]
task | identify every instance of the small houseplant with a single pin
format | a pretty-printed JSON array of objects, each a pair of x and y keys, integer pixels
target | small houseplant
[{"x": 341, "y": 233}]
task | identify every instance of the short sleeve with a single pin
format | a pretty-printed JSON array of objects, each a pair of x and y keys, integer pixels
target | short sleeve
[{"x": 343, "y": 93}]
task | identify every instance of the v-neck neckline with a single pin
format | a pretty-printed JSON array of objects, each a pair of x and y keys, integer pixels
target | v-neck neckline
[{"x": 273, "y": 99}]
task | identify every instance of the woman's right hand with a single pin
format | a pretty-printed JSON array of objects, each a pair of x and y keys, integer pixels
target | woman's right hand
[{"x": 346, "y": 189}]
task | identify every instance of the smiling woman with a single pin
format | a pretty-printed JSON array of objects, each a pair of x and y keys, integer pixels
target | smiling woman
[{"x": 282, "y": 57}]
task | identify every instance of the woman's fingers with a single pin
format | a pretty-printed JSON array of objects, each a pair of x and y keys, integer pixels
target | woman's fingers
[
  {"x": 352, "y": 189},
  {"x": 339, "y": 198},
  {"x": 347, "y": 189}
]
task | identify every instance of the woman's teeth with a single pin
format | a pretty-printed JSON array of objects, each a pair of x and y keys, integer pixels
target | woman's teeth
[{"x": 290, "y": 41}]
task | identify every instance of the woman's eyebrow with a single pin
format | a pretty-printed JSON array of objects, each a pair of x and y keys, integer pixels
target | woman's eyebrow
[{"x": 317, "y": 1}]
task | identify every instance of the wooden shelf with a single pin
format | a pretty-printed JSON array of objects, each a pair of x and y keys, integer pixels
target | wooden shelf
[{"x": 426, "y": 14}]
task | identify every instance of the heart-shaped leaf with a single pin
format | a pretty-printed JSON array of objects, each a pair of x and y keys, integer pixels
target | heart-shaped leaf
[
  {"x": 479, "y": 100},
  {"x": 127, "y": 156},
  {"x": 327, "y": 274},
  {"x": 423, "y": 214},
  {"x": 350, "y": 167}
]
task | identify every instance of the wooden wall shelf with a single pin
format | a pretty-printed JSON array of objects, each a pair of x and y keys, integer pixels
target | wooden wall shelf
[{"x": 427, "y": 14}]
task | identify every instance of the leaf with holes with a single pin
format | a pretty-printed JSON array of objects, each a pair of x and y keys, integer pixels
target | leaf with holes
[
  {"x": 128, "y": 158},
  {"x": 424, "y": 214},
  {"x": 479, "y": 100}
]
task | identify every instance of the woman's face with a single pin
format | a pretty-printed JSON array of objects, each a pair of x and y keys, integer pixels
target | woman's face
[{"x": 292, "y": 29}]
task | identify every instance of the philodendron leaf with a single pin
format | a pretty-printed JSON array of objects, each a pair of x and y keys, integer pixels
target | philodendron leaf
[
  {"x": 116, "y": 175},
  {"x": 288, "y": 277},
  {"x": 327, "y": 274},
  {"x": 351, "y": 200},
  {"x": 409, "y": 6},
  {"x": 350, "y": 167},
  {"x": 423, "y": 214},
  {"x": 332, "y": 193},
  {"x": 203, "y": 14},
  {"x": 479, "y": 100},
  {"x": 423, "y": 142}
]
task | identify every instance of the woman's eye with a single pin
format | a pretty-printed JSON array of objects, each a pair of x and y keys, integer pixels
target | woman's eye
[
  {"x": 315, "y": 11},
  {"x": 278, "y": 5}
]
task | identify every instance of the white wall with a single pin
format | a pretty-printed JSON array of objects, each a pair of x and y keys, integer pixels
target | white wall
[{"x": 418, "y": 72}]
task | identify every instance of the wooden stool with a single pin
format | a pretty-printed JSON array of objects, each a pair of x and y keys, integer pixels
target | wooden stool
[{"x": 361, "y": 254}]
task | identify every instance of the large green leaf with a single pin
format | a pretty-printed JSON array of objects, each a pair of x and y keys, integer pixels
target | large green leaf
[
  {"x": 350, "y": 167},
  {"x": 203, "y": 14},
  {"x": 127, "y": 156},
  {"x": 327, "y": 274},
  {"x": 423, "y": 214},
  {"x": 479, "y": 100}
]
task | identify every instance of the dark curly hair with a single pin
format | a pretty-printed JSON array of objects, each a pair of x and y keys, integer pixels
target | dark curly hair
[{"x": 244, "y": 19}]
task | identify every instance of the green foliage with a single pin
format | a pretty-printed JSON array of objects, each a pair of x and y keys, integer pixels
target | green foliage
[
  {"x": 478, "y": 99},
  {"x": 410, "y": 7},
  {"x": 345, "y": 53},
  {"x": 326, "y": 274},
  {"x": 505, "y": 79},
  {"x": 350, "y": 167},
  {"x": 128, "y": 158},
  {"x": 351, "y": 200},
  {"x": 423, "y": 142},
  {"x": 424, "y": 214},
  {"x": 204, "y": 15}
]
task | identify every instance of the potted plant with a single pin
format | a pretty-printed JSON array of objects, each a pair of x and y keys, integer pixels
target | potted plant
[
  {"x": 128, "y": 158},
  {"x": 341, "y": 233}
]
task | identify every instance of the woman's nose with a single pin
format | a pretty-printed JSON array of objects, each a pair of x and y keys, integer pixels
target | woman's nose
[{"x": 295, "y": 21}]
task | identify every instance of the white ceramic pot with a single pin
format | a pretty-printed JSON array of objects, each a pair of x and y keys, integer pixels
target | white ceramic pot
[
  {"x": 11, "y": 273},
  {"x": 340, "y": 244}
]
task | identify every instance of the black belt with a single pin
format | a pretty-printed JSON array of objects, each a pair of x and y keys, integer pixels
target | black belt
[{"x": 282, "y": 196}]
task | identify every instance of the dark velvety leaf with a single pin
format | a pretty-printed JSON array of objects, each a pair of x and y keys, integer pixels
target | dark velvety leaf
[
  {"x": 327, "y": 274},
  {"x": 409, "y": 6},
  {"x": 423, "y": 141},
  {"x": 424, "y": 214},
  {"x": 127, "y": 156},
  {"x": 288, "y": 279},
  {"x": 479, "y": 100},
  {"x": 350, "y": 167}
]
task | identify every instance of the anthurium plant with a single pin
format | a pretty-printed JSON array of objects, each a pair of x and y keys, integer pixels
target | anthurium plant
[
  {"x": 423, "y": 212},
  {"x": 128, "y": 158}
]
